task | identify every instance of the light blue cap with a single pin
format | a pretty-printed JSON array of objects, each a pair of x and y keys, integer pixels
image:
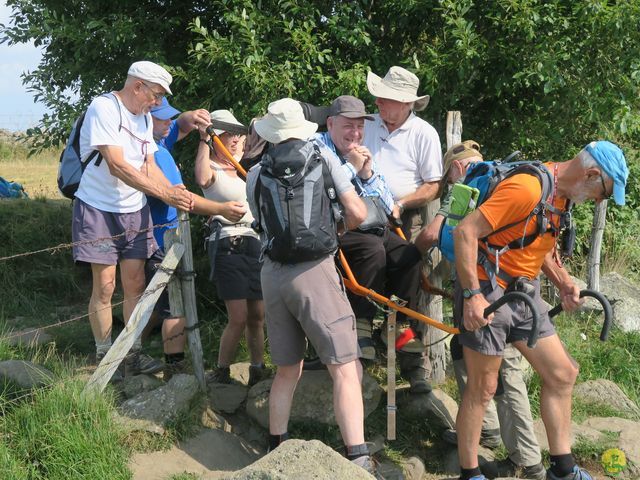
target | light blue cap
[
  {"x": 611, "y": 159},
  {"x": 164, "y": 111}
]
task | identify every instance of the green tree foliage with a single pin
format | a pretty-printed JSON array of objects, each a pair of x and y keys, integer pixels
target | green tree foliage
[{"x": 540, "y": 76}]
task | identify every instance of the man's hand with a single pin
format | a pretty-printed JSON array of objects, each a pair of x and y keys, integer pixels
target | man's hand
[
  {"x": 356, "y": 158},
  {"x": 366, "y": 171},
  {"x": 570, "y": 296},
  {"x": 179, "y": 197},
  {"x": 199, "y": 117},
  {"x": 473, "y": 309},
  {"x": 233, "y": 211}
]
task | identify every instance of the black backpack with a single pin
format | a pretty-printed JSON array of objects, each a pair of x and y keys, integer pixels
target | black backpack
[{"x": 297, "y": 203}]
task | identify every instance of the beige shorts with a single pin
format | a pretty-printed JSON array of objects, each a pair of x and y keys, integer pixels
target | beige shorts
[{"x": 307, "y": 300}]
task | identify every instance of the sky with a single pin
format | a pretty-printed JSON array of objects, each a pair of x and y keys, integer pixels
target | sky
[{"x": 17, "y": 108}]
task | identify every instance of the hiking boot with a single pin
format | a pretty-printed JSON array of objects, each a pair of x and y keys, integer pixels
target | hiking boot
[
  {"x": 219, "y": 375},
  {"x": 149, "y": 365},
  {"x": 488, "y": 438},
  {"x": 132, "y": 364},
  {"x": 365, "y": 342},
  {"x": 118, "y": 374},
  {"x": 506, "y": 468},
  {"x": 418, "y": 380},
  {"x": 175, "y": 368},
  {"x": 367, "y": 462},
  {"x": 257, "y": 373},
  {"x": 576, "y": 474}
]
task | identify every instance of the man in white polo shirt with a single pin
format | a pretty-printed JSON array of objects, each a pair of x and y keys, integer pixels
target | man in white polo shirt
[
  {"x": 111, "y": 219},
  {"x": 408, "y": 152}
]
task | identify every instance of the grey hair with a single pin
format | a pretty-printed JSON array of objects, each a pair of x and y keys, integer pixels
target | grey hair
[{"x": 587, "y": 161}]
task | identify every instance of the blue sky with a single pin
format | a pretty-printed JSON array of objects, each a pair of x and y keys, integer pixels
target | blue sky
[{"x": 17, "y": 108}]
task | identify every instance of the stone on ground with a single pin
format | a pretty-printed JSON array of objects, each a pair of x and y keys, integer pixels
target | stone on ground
[
  {"x": 437, "y": 407},
  {"x": 606, "y": 393},
  {"x": 31, "y": 337},
  {"x": 226, "y": 398},
  {"x": 24, "y": 374}
]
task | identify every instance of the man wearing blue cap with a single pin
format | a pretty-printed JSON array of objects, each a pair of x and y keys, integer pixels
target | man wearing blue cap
[
  {"x": 166, "y": 132},
  {"x": 597, "y": 172}
]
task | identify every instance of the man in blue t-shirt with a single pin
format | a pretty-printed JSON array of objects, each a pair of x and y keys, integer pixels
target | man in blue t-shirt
[{"x": 166, "y": 132}]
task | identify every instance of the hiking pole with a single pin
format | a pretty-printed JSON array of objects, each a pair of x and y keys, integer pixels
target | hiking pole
[
  {"x": 391, "y": 375},
  {"x": 606, "y": 308},
  {"x": 216, "y": 139}
]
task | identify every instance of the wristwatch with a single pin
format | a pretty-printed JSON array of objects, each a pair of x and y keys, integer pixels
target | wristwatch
[
  {"x": 470, "y": 292},
  {"x": 400, "y": 207}
]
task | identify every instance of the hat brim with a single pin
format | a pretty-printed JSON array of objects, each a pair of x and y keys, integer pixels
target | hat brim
[
  {"x": 377, "y": 88},
  {"x": 272, "y": 134},
  {"x": 165, "y": 113},
  {"x": 618, "y": 193},
  {"x": 355, "y": 115}
]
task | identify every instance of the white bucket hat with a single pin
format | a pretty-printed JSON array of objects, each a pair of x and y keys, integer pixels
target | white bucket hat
[
  {"x": 224, "y": 116},
  {"x": 284, "y": 120},
  {"x": 398, "y": 84},
  {"x": 151, "y": 72}
]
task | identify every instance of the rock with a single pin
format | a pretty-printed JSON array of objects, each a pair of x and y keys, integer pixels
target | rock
[
  {"x": 134, "y": 385},
  {"x": 209, "y": 454},
  {"x": 302, "y": 460},
  {"x": 24, "y": 374},
  {"x": 628, "y": 441},
  {"x": 214, "y": 421},
  {"x": 226, "y": 397},
  {"x": 163, "y": 403},
  {"x": 240, "y": 372},
  {"x": 313, "y": 399},
  {"x": 31, "y": 337},
  {"x": 606, "y": 393},
  {"x": 413, "y": 468},
  {"x": 625, "y": 300},
  {"x": 440, "y": 409},
  {"x": 138, "y": 425},
  {"x": 376, "y": 444}
]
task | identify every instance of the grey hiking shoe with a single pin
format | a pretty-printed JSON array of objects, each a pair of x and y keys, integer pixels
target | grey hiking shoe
[
  {"x": 175, "y": 368},
  {"x": 257, "y": 374},
  {"x": 219, "y": 375},
  {"x": 576, "y": 474},
  {"x": 506, "y": 468},
  {"x": 149, "y": 365},
  {"x": 417, "y": 380},
  {"x": 369, "y": 465}
]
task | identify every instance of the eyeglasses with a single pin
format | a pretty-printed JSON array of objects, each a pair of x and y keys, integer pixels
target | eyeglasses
[
  {"x": 156, "y": 95},
  {"x": 605, "y": 194}
]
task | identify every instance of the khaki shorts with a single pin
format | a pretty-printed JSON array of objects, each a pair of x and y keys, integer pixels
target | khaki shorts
[
  {"x": 307, "y": 300},
  {"x": 511, "y": 322}
]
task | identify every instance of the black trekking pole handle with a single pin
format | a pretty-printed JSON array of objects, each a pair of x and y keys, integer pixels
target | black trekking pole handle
[
  {"x": 606, "y": 308},
  {"x": 519, "y": 297}
]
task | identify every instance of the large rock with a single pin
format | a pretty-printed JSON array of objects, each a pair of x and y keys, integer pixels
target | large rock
[
  {"x": 577, "y": 431},
  {"x": 31, "y": 337},
  {"x": 313, "y": 399},
  {"x": 24, "y": 374},
  {"x": 164, "y": 403},
  {"x": 226, "y": 398},
  {"x": 136, "y": 384},
  {"x": 624, "y": 297},
  {"x": 438, "y": 407},
  {"x": 301, "y": 460},
  {"x": 606, "y": 393},
  {"x": 628, "y": 441}
]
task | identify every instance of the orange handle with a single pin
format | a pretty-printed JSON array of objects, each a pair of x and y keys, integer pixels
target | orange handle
[{"x": 228, "y": 156}]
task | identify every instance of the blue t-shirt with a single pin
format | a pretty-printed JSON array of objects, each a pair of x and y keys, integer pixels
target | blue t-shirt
[{"x": 162, "y": 213}]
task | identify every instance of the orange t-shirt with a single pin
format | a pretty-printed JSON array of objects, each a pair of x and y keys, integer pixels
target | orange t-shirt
[{"x": 512, "y": 201}]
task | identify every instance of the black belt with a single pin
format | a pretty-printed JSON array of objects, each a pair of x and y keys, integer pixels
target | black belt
[{"x": 379, "y": 231}]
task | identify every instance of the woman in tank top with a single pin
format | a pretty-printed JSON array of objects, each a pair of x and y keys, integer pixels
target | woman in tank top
[{"x": 234, "y": 251}]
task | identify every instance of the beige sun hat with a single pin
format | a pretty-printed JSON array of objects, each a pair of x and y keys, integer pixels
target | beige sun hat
[
  {"x": 224, "y": 116},
  {"x": 151, "y": 72},
  {"x": 398, "y": 84},
  {"x": 284, "y": 120}
]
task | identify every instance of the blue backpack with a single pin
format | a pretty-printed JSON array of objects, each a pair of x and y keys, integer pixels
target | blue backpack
[
  {"x": 11, "y": 189},
  {"x": 485, "y": 177},
  {"x": 71, "y": 165}
]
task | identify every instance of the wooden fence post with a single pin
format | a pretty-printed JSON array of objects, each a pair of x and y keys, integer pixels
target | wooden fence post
[
  {"x": 597, "y": 230},
  {"x": 139, "y": 318},
  {"x": 187, "y": 276}
]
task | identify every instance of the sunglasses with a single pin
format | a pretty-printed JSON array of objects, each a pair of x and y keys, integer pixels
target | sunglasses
[{"x": 156, "y": 95}]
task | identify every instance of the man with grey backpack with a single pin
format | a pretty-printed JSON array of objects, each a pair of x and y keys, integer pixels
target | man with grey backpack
[{"x": 292, "y": 194}]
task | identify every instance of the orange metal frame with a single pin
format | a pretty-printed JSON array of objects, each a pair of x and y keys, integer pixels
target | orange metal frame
[{"x": 350, "y": 281}]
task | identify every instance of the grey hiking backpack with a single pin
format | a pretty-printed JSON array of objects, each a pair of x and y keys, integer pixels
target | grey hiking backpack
[{"x": 297, "y": 203}]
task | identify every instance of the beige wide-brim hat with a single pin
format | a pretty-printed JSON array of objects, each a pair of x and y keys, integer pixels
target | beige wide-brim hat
[
  {"x": 284, "y": 120},
  {"x": 224, "y": 116},
  {"x": 398, "y": 84}
]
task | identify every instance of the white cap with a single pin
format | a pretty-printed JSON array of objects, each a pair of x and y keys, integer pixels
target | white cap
[
  {"x": 151, "y": 72},
  {"x": 284, "y": 120}
]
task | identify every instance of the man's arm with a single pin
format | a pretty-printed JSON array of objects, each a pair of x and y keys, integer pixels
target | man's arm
[
  {"x": 465, "y": 238},
  {"x": 189, "y": 121},
  {"x": 423, "y": 195},
  {"x": 355, "y": 210},
  {"x": 569, "y": 291},
  {"x": 232, "y": 211},
  {"x": 150, "y": 181}
]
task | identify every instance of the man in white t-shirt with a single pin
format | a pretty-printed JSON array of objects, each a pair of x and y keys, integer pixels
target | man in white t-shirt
[
  {"x": 408, "y": 153},
  {"x": 111, "y": 221}
]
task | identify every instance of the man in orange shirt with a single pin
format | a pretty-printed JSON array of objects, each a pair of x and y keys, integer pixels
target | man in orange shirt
[{"x": 595, "y": 173}]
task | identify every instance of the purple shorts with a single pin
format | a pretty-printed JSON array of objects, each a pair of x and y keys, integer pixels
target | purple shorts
[{"x": 95, "y": 230}]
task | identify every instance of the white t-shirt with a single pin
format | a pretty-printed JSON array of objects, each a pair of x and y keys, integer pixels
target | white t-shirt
[
  {"x": 101, "y": 126},
  {"x": 407, "y": 157}
]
